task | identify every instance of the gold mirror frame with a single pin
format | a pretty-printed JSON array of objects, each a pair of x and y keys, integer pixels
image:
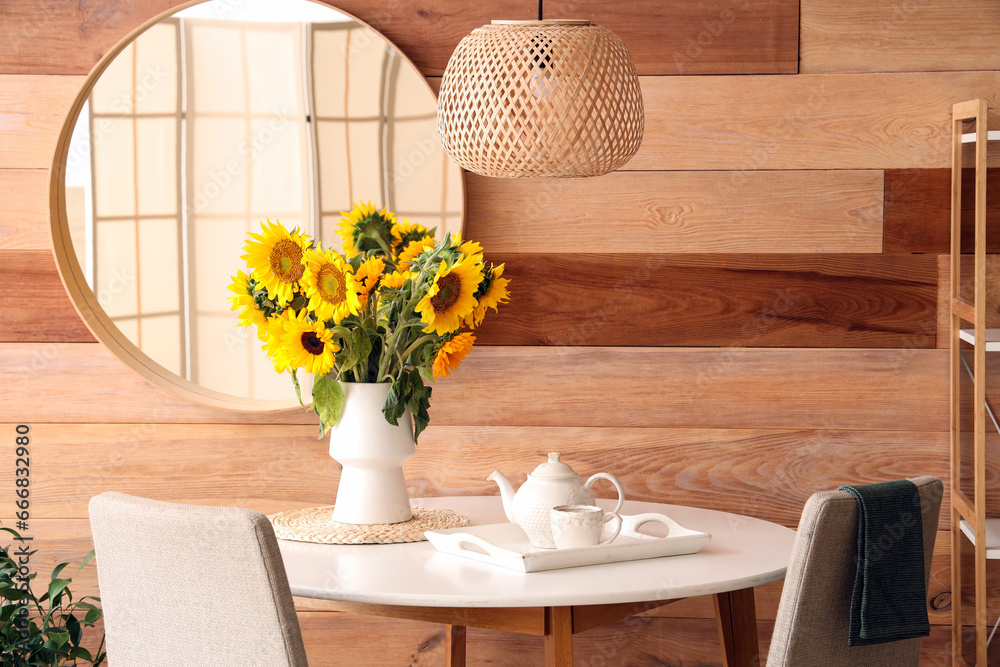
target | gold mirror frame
[{"x": 72, "y": 274}]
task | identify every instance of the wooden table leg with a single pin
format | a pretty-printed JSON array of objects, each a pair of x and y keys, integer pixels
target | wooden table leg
[
  {"x": 558, "y": 637},
  {"x": 737, "y": 621},
  {"x": 454, "y": 639}
]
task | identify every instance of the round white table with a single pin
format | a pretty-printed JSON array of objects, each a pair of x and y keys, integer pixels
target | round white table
[{"x": 416, "y": 581}]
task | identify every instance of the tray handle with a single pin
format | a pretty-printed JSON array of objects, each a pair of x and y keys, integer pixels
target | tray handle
[
  {"x": 632, "y": 523},
  {"x": 463, "y": 541}
]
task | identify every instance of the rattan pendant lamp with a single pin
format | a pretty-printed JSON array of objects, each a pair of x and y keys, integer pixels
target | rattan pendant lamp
[{"x": 550, "y": 97}]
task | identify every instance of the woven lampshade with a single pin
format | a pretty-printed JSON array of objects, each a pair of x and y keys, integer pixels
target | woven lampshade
[{"x": 540, "y": 98}]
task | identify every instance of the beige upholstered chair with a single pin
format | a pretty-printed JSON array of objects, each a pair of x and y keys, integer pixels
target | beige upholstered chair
[
  {"x": 814, "y": 615},
  {"x": 190, "y": 586}
]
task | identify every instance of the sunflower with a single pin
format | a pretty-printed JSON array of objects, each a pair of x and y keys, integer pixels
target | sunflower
[
  {"x": 367, "y": 278},
  {"x": 396, "y": 279},
  {"x": 403, "y": 233},
  {"x": 467, "y": 247},
  {"x": 414, "y": 248},
  {"x": 450, "y": 297},
  {"x": 330, "y": 286},
  {"x": 492, "y": 292},
  {"x": 363, "y": 227},
  {"x": 275, "y": 259},
  {"x": 451, "y": 354},
  {"x": 243, "y": 300},
  {"x": 271, "y": 333},
  {"x": 296, "y": 342},
  {"x": 405, "y": 228}
]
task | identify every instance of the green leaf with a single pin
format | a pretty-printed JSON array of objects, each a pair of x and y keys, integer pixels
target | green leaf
[
  {"x": 57, "y": 587},
  {"x": 93, "y": 613},
  {"x": 12, "y": 594},
  {"x": 408, "y": 391},
  {"x": 361, "y": 346},
  {"x": 80, "y": 653},
  {"x": 426, "y": 372},
  {"x": 86, "y": 559},
  {"x": 349, "y": 358},
  {"x": 419, "y": 403},
  {"x": 395, "y": 401},
  {"x": 57, "y": 570},
  {"x": 328, "y": 402},
  {"x": 357, "y": 347},
  {"x": 12, "y": 532},
  {"x": 60, "y": 638},
  {"x": 75, "y": 630},
  {"x": 375, "y": 355}
]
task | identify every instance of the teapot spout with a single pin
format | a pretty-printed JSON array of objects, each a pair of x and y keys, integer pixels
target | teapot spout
[{"x": 506, "y": 493}]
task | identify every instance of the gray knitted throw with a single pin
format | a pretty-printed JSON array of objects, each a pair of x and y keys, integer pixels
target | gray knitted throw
[{"x": 889, "y": 599}]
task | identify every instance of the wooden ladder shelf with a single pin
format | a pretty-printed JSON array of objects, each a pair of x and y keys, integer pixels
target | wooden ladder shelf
[{"x": 968, "y": 515}]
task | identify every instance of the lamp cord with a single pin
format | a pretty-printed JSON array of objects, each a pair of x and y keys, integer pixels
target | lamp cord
[{"x": 539, "y": 10}]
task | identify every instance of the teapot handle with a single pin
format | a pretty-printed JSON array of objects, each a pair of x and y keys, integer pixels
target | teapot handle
[{"x": 613, "y": 480}]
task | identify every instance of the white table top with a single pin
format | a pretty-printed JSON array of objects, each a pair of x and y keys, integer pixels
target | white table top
[{"x": 743, "y": 552}]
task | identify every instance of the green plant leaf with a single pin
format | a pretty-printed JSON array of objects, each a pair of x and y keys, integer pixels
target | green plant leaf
[
  {"x": 426, "y": 372},
  {"x": 328, "y": 402},
  {"x": 80, "y": 653},
  {"x": 12, "y": 594},
  {"x": 57, "y": 587},
  {"x": 375, "y": 355},
  {"x": 349, "y": 359},
  {"x": 93, "y": 613},
  {"x": 12, "y": 532},
  {"x": 75, "y": 630},
  {"x": 59, "y": 568},
  {"x": 408, "y": 391},
  {"x": 361, "y": 346},
  {"x": 419, "y": 403},
  {"x": 395, "y": 401},
  {"x": 59, "y": 639}
]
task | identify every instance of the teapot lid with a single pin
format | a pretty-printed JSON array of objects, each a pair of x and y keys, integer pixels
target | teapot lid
[{"x": 553, "y": 468}]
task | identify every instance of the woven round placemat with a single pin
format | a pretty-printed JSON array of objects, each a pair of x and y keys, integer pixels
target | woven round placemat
[{"x": 316, "y": 524}]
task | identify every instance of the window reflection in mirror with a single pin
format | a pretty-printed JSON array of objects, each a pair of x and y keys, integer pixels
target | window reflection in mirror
[{"x": 219, "y": 117}]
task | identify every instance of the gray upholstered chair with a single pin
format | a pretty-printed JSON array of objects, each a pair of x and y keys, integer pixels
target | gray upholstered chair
[
  {"x": 814, "y": 614},
  {"x": 191, "y": 586}
]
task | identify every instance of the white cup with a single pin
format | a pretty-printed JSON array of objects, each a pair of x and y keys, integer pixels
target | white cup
[{"x": 576, "y": 526}]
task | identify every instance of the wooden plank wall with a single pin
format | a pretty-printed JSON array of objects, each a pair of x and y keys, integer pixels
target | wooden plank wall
[{"x": 746, "y": 314}]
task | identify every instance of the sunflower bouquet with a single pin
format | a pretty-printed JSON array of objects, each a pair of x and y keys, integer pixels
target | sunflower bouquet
[{"x": 398, "y": 306}]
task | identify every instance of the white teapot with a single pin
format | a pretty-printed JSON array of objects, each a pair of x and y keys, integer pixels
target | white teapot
[{"x": 552, "y": 483}]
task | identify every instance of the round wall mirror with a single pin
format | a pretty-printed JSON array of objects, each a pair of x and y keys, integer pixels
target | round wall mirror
[{"x": 198, "y": 127}]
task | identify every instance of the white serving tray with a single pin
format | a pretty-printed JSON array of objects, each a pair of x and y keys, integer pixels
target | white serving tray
[{"x": 506, "y": 545}]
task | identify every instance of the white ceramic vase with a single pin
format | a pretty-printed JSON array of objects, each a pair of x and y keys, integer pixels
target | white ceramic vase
[{"x": 372, "y": 451}]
